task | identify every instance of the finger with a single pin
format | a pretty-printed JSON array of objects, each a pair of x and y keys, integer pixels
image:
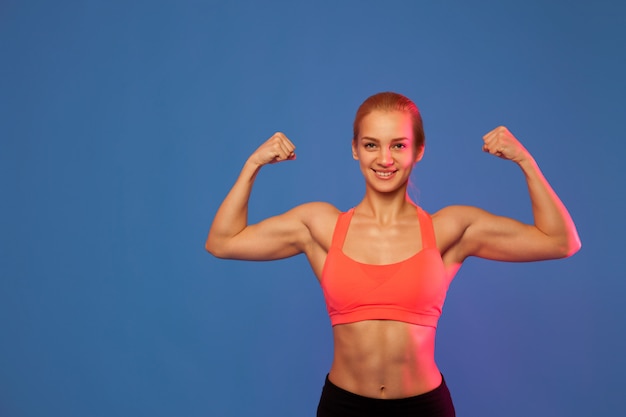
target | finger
[
  {"x": 282, "y": 153},
  {"x": 495, "y": 139},
  {"x": 283, "y": 140},
  {"x": 490, "y": 142},
  {"x": 288, "y": 148},
  {"x": 274, "y": 146},
  {"x": 288, "y": 142},
  {"x": 497, "y": 133},
  {"x": 494, "y": 148},
  {"x": 492, "y": 151}
]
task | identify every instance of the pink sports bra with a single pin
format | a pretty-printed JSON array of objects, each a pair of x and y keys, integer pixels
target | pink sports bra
[{"x": 411, "y": 291}]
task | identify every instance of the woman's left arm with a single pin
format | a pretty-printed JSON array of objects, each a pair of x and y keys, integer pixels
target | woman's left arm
[{"x": 553, "y": 234}]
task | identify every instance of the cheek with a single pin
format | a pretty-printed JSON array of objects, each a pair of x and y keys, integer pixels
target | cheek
[{"x": 409, "y": 163}]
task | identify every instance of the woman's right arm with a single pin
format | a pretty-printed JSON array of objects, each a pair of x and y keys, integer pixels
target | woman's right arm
[{"x": 277, "y": 237}]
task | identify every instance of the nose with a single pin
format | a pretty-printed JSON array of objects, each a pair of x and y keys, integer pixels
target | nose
[{"x": 385, "y": 158}]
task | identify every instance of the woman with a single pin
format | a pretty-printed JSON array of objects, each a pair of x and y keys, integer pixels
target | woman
[{"x": 385, "y": 265}]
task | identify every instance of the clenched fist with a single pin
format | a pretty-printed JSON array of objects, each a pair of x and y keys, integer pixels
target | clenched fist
[
  {"x": 500, "y": 142},
  {"x": 277, "y": 148}
]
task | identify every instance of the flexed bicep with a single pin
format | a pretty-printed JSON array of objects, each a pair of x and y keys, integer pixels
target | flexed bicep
[
  {"x": 276, "y": 237},
  {"x": 230, "y": 235},
  {"x": 502, "y": 238}
]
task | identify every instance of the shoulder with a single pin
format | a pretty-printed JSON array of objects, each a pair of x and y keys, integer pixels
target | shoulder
[
  {"x": 320, "y": 219},
  {"x": 456, "y": 219},
  {"x": 315, "y": 211},
  {"x": 457, "y": 214},
  {"x": 450, "y": 224},
  {"x": 316, "y": 215},
  {"x": 320, "y": 207}
]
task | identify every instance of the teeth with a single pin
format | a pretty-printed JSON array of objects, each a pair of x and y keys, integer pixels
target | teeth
[{"x": 383, "y": 174}]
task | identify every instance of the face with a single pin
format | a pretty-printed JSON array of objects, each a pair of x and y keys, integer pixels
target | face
[{"x": 385, "y": 149}]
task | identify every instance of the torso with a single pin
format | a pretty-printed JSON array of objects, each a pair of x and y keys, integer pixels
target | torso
[
  {"x": 379, "y": 358},
  {"x": 384, "y": 359}
]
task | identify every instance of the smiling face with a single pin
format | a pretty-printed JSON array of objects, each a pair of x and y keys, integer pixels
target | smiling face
[{"x": 386, "y": 150}]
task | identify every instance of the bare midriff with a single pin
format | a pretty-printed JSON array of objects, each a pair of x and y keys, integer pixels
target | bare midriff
[{"x": 384, "y": 359}]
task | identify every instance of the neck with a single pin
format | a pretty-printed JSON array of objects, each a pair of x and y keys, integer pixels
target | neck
[{"x": 385, "y": 207}]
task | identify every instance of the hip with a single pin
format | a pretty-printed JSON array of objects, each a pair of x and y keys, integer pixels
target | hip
[{"x": 338, "y": 402}]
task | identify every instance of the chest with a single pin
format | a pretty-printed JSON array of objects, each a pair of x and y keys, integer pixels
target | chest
[{"x": 380, "y": 245}]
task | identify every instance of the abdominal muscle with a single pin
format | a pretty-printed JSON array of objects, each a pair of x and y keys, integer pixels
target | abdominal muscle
[{"x": 384, "y": 359}]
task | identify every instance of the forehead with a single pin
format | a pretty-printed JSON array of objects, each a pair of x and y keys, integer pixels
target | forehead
[{"x": 386, "y": 125}]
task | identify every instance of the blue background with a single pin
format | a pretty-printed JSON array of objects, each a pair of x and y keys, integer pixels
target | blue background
[{"x": 124, "y": 124}]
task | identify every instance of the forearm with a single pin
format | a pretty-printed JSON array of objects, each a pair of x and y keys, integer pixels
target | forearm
[
  {"x": 550, "y": 214},
  {"x": 232, "y": 216}
]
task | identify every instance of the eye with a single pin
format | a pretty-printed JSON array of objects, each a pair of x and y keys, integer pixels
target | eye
[
  {"x": 369, "y": 145},
  {"x": 399, "y": 146}
]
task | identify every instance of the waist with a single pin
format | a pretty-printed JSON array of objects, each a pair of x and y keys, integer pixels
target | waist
[
  {"x": 386, "y": 313},
  {"x": 384, "y": 359}
]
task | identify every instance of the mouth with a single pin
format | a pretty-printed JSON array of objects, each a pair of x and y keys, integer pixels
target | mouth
[{"x": 384, "y": 174}]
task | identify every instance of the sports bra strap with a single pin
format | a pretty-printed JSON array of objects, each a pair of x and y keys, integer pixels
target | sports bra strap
[
  {"x": 341, "y": 228},
  {"x": 427, "y": 229}
]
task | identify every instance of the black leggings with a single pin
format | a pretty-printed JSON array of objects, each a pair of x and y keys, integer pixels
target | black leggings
[{"x": 337, "y": 402}]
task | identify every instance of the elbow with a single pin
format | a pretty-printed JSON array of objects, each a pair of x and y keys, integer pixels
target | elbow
[
  {"x": 575, "y": 246},
  {"x": 570, "y": 247},
  {"x": 209, "y": 247},
  {"x": 214, "y": 248}
]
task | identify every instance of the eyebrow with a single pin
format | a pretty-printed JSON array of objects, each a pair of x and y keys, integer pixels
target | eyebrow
[{"x": 378, "y": 140}]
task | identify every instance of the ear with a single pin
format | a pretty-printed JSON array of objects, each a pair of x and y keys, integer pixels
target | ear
[
  {"x": 420, "y": 154},
  {"x": 355, "y": 156}
]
